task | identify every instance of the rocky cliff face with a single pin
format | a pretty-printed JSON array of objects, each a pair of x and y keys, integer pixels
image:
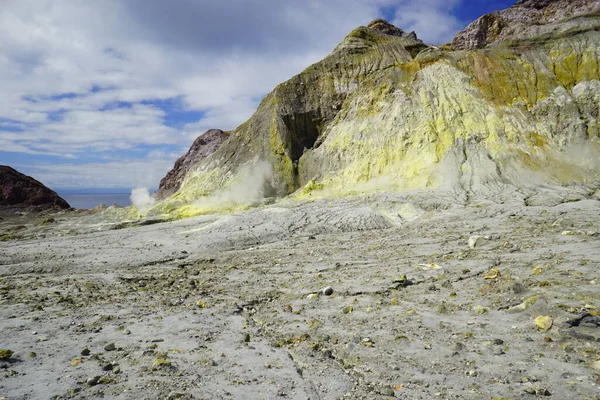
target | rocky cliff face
[
  {"x": 527, "y": 19},
  {"x": 205, "y": 145},
  {"x": 18, "y": 190},
  {"x": 385, "y": 111}
]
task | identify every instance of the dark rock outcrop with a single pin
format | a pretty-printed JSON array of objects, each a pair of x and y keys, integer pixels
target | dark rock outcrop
[
  {"x": 205, "y": 145},
  {"x": 20, "y": 191},
  {"x": 525, "y": 19}
]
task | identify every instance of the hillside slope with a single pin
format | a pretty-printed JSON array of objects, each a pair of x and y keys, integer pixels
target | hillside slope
[{"x": 510, "y": 107}]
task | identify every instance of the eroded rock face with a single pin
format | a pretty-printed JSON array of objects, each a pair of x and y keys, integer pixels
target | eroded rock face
[
  {"x": 205, "y": 145},
  {"x": 19, "y": 191},
  {"x": 526, "y": 19},
  {"x": 385, "y": 111}
]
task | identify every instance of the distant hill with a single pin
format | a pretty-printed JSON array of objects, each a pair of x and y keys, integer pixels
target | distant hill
[{"x": 19, "y": 191}]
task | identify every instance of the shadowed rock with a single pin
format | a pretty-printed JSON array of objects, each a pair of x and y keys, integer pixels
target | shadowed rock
[{"x": 19, "y": 190}]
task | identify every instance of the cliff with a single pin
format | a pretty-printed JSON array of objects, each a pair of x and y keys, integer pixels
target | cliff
[{"x": 498, "y": 113}]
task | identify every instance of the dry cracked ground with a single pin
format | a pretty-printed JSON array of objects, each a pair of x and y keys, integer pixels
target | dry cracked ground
[{"x": 430, "y": 300}]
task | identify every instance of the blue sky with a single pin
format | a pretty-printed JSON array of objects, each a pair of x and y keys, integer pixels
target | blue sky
[{"x": 108, "y": 94}]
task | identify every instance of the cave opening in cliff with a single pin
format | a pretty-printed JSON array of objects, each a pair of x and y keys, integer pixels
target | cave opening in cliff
[{"x": 304, "y": 129}]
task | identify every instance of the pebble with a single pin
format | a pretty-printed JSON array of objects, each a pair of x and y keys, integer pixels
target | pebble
[
  {"x": 312, "y": 296},
  {"x": 93, "y": 381},
  {"x": 110, "y": 347},
  {"x": 85, "y": 352},
  {"x": 537, "y": 390},
  {"x": 476, "y": 241},
  {"x": 328, "y": 291},
  {"x": 498, "y": 342}
]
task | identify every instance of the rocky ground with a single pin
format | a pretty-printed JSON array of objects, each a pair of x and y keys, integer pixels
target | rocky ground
[{"x": 430, "y": 299}]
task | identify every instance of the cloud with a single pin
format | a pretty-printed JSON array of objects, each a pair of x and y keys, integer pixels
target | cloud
[
  {"x": 431, "y": 19},
  {"x": 97, "y": 77}
]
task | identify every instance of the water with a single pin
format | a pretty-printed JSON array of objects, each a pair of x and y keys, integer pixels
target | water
[{"x": 91, "y": 200}]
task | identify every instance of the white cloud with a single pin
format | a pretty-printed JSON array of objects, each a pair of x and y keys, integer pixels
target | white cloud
[
  {"x": 216, "y": 57},
  {"x": 431, "y": 19}
]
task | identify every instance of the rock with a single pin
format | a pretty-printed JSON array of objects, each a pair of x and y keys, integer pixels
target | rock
[
  {"x": 5, "y": 354},
  {"x": 328, "y": 291},
  {"x": 525, "y": 19},
  {"x": 477, "y": 241},
  {"x": 85, "y": 352},
  {"x": 543, "y": 323},
  {"x": 312, "y": 296},
  {"x": 537, "y": 390},
  {"x": 110, "y": 347},
  {"x": 18, "y": 191},
  {"x": 523, "y": 306},
  {"x": 107, "y": 367},
  {"x": 160, "y": 363},
  {"x": 491, "y": 274},
  {"x": 93, "y": 381},
  {"x": 498, "y": 342},
  {"x": 205, "y": 145},
  {"x": 595, "y": 365},
  {"x": 480, "y": 310}
]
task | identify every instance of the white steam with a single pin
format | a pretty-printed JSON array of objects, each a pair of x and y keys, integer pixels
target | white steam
[
  {"x": 141, "y": 199},
  {"x": 251, "y": 186}
]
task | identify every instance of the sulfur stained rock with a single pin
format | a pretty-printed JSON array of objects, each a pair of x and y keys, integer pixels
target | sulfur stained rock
[
  {"x": 5, "y": 354},
  {"x": 543, "y": 323}
]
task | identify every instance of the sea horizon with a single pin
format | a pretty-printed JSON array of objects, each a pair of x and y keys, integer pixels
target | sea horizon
[{"x": 83, "y": 200}]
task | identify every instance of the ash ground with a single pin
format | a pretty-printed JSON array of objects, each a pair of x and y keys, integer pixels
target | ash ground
[{"x": 218, "y": 306}]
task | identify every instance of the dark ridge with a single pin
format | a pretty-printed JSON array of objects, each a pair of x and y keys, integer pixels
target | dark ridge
[{"x": 20, "y": 191}]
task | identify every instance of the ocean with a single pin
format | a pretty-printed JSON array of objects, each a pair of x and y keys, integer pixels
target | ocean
[{"x": 91, "y": 200}]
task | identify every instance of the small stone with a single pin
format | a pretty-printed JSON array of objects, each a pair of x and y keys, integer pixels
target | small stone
[
  {"x": 595, "y": 365},
  {"x": 498, "y": 342},
  {"x": 543, "y": 323},
  {"x": 107, "y": 367},
  {"x": 32, "y": 354},
  {"x": 537, "y": 391},
  {"x": 247, "y": 338},
  {"x": 491, "y": 274},
  {"x": 176, "y": 396},
  {"x": 472, "y": 373},
  {"x": 312, "y": 296},
  {"x": 104, "y": 380},
  {"x": 93, "y": 381},
  {"x": 536, "y": 271},
  {"x": 126, "y": 332},
  {"x": 5, "y": 354},
  {"x": 476, "y": 241},
  {"x": 427, "y": 346},
  {"x": 567, "y": 233},
  {"x": 85, "y": 352},
  {"x": 110, "y": 347},
  {"x": 481, "y": 310},
  {"x": 160, "y": 363},
  {"x": 523, "y": 306},
  {"x": 328, "y": 291},
  {"x": 518, "y": 288}
]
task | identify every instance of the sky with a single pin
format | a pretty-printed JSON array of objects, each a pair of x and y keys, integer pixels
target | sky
[{"x": 108, "y": 94}]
